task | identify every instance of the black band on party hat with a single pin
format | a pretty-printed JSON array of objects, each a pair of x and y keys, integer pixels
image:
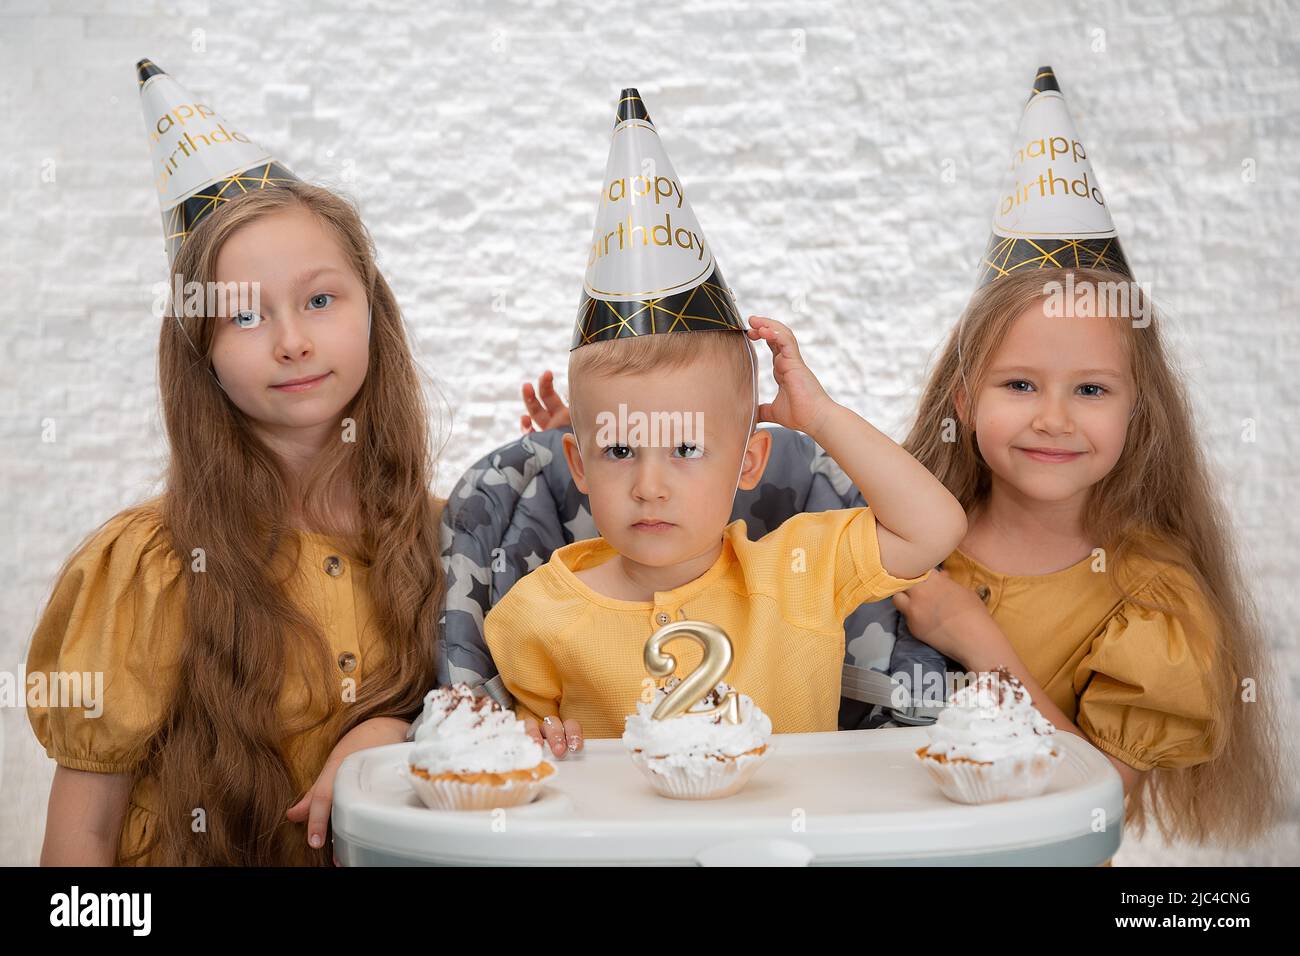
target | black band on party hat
[
  {"x": 709, "y": 307},
  {"x": 1044, "y": 81},
  {"x": 1004, "y": 256},
  {"x": 631, "y": 107},
  {"x": 649, "y": 268},
  {"x": 145, "y": 69},
  {"x": 200, "y": 159},
  {"x": 181, "y": 220},
  {"x": 1051, "y": 212}
]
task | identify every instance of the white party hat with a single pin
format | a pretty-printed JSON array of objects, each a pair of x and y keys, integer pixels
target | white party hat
[
  {"x": 1051, "y": 212},
  {"x": 200, "y": 159},
  {"x": 649, "y": 268}
]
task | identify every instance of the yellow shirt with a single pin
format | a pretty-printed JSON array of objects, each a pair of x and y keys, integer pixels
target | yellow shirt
[
  {"x": 1131, "y": 678},
  {"x": 120, "y": 610},
  {"x": 565, "y": 649}
]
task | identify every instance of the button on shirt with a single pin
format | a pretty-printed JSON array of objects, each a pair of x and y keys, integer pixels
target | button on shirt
[{"x": 119, "y": 610}]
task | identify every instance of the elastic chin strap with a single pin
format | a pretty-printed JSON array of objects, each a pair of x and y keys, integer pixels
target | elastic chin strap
[
  {"x": 753, "y": 414},
  {"x": 753, "y": 409}
]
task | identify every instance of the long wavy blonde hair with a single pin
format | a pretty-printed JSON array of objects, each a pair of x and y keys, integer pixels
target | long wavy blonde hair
[
  {"x": 223, "y": 744},
  {"x": 1158, "y": 501}
]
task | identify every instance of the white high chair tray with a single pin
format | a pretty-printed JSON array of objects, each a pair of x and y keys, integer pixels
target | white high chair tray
[{"x": 848, "y": 797}]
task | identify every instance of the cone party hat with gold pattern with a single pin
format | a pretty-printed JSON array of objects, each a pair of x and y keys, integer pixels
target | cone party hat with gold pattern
[
  {"x": 649, "y": 269},
  {"x": 200, "y": 159},
  {"x": 1050, "y": 213}
]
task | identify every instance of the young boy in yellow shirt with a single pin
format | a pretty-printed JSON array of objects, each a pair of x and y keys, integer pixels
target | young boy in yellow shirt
[{"x": 660, "y": 445}]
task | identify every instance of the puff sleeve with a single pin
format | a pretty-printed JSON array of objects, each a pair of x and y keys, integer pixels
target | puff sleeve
[
  {"x": 1145, "y": 686},
  {"x": 113, "y": 626}
]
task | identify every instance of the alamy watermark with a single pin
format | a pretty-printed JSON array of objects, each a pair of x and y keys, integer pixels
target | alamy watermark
[
  {"x": 206, "y": 299},
  {"x": 649, "y": 429},
  {"x": 929, "y": 688},
  {"x": 82, "y": 690},
  {"x": 1090, "y": 300}
]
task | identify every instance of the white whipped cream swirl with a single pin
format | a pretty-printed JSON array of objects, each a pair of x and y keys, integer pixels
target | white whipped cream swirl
[
  {"x": 991, "y": 719},
  {"x": 694, "y": 736},
  {"x": 464, "y": 734}
]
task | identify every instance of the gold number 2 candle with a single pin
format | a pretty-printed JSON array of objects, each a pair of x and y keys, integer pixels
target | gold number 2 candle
[{"x": 699, "y": 682}]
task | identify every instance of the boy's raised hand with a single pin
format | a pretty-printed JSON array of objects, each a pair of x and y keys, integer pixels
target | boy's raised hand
[
  {"x": 800, "y": 401},
  {"x": 544, "y": 406},
  {"x": 563, "y": 738}
]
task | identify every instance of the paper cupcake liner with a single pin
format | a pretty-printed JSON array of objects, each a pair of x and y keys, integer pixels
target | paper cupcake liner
[
  {"x": 1012, "y": 779},
  {"x": 708, "y": 779},
  {"x": 458, "y": 795}
]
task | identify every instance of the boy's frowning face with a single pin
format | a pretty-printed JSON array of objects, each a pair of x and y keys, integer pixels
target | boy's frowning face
[{"x": 660, "y": 454}]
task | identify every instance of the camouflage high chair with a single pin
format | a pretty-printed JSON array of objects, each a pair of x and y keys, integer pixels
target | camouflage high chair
[{"x": 518, "y": 504}]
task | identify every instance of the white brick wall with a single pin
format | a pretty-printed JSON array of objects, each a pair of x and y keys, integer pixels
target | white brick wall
[{"x": 812, "y": 138}]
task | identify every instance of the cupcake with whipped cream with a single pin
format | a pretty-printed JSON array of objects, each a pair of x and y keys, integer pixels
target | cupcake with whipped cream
[
  {"x": 990, "y": 743},
  {"x": 470, "y": 753},
  {"x": 698, "y": 755}
]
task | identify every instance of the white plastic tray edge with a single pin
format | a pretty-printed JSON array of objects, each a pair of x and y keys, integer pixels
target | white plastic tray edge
[{"x": 952, "y": 832}]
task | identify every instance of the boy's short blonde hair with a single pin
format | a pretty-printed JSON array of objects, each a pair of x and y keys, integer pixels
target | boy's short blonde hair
[{"x": 730, "y": 352}]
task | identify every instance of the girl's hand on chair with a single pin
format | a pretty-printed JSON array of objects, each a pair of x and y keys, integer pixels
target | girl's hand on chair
[
  {"x": 952, "y": 619},
  {"x": 544, "y": 406},
  {"x": 562, "y": 738},
  {"x": 314, "y": 806},
  {"x": 800, "y": 401}
]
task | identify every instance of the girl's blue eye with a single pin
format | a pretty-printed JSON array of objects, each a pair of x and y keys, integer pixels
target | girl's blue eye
[
  {"x": 317, "y": 297},
  {"x": 1020, "y": 381},
  {"x": 1101, "y": 390},
  {"x": 246, "y": 319},
  {"x": 688, "y": 450},
  {"x": 616, "y": 452}
]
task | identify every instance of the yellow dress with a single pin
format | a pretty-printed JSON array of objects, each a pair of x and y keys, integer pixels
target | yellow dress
[
  {"x": 120, "y": 609},
  {"x": 1131, "y": 678}
]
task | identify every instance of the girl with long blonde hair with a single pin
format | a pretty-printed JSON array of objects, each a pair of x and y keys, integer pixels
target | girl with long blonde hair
[{"x": 1100, "y": 565}]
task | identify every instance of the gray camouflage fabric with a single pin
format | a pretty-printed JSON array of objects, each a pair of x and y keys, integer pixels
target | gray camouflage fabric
[{"x": 518, "y": 504}]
